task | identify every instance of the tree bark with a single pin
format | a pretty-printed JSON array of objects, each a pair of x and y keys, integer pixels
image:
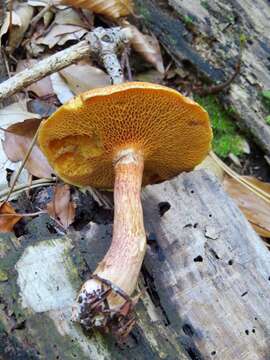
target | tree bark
[{"x": 205, "y": 282}]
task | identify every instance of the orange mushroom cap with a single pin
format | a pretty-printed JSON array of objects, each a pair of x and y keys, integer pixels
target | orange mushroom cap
[{"x": 82, "y": 138}]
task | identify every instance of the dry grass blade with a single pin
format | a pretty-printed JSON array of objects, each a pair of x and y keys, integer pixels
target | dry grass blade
[
  {"x": 247, "y": 183},
  {"x": 23, "y": 187},
  {"x": 23, "y": 214},
  {"x": 253, "y": 207}
]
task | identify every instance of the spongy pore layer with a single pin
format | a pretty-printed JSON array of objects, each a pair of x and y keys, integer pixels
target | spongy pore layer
[{"x": 82, "y": 138}]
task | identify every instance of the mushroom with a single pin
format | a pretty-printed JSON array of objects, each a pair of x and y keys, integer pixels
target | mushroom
[{"x": 122, "y": 137}]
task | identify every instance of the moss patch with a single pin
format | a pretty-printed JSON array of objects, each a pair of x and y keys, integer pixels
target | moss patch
[
  {"x": 266, "y": 101},
  {"x": 226, "y": 139}
]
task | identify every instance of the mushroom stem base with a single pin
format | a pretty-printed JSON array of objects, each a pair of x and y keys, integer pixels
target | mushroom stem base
[{"x": 104, "y": 301}]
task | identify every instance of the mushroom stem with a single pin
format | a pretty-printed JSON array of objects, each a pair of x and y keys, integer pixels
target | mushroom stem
[{"x": 122, "y": 263}]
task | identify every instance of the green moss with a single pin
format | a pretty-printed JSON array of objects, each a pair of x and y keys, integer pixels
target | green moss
[
  {"x": 266, "y": 94},
  {"x": 3, "y": 276},
  {"x": 205, "y": 4},
  {"x": 226, "y": 139}
]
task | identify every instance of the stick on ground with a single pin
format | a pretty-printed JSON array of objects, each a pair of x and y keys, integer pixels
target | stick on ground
[{"x": 102, "y": 43}]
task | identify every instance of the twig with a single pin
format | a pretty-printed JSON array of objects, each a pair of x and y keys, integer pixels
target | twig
[
  {"x": 24, "y": 214},
  {"x": 22, "y": 187},
  {"x": 125, "y": 62},
  {"x": 104, "y": 43},
  {"x": 214, "y": 89},
  {"x": 36, "y": 18}
]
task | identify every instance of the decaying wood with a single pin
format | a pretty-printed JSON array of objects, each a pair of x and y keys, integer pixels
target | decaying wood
[
  {"x": 206, "y": 37},
  {"x": 205, "y": 282},
  {"x": 100, "y": 42},
  {"x": 211, "y": 271},
  {"x": 40, "y": 276}
]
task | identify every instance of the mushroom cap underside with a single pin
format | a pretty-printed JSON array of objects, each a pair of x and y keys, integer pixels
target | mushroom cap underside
[{"x": 83, "y": 137}]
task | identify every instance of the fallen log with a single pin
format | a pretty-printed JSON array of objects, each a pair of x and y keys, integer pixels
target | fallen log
[{"x": 205, "y": 282}]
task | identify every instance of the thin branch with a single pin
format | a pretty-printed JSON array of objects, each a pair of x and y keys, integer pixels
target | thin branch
[
  {"x": 103, "y": 43},
  {"x": 22, "y": 187},
  {"x": 214, "y": 89},
  {"x": 38, "y": 17},
  {"x": 24, "y": 214},
  {"x": 45, "y": 67}
]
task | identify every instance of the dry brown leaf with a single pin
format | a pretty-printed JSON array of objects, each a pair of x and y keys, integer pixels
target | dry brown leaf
[
  {"x": 67, "y": 25},
  {"x": 21, "y": 17},
  {"x": 260, "y": 184},
  {"x": 111, "y": 8},
  {"x": 256, "y": 210},
  {"x": 147, "y": 46},
  {"x": 15, "y": 113},
  {"x": 152, "y": 76},
  {"x": 16, "y": 145},
  {"x": 12, "y": 114},
  {"x": 7, "y": 222},
  {"x": 62, "y": 208},
  {"x": 82, "y": 77},
  {"x": 61, "y": 88},
  {"x": 69, "y": 16},
  {"x": 42, "y": 87},
  {"x": 60, "y": 34}
]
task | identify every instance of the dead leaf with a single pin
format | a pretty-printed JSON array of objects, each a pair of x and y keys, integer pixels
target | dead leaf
[
  {"x": 60, "y": 34},
  {"x": 82, "y": 77},
  {"x": 42, "y": 87},
  {"x": 61, "y": 88},
  {"x": 16, "y": 145},
  {"x": 152, "y": 76},
  {"x": 7, "y": 222},
  {"x": 254, "y": 208},
  {"x": 12, "y": 114},
  {"x": 67, "y": 25},
  {"x": 42, "y": 107},
  {"x": 147, "y": 46},
  {"x": 69, "y": 16},
  {"x": 111, "y": 8},
  {"x": 62, "y": 208},
  {"x": 21, "y": 17}
]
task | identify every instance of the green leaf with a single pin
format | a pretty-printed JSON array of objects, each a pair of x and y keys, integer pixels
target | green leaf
[{"x": 267, "y": 120}]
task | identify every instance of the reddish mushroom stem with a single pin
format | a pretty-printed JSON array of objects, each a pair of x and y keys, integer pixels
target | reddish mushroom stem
[
  {"x": 122, "y": 263},
  {"x": 123, "y": 260}
]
